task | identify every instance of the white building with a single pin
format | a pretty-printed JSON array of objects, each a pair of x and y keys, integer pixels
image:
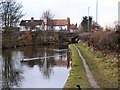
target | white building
[{"x": 27, "y": 25}]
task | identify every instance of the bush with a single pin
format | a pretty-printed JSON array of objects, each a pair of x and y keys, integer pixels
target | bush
[
  {"x": 104, "y": 41},
  {"x": 84, "y": 36}
]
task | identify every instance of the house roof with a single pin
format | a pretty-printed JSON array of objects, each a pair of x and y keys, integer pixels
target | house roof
[
  {"x": 72, "y": 26},
  {"x": 51, "y": 22},
  {"x": 36, "y": 22},
  {"x": 57, "y": 22}
]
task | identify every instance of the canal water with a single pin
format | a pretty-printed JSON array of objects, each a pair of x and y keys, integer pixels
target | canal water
[{"x": 35, "y": 67}]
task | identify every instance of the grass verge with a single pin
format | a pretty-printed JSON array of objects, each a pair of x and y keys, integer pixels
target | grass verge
[
  {"x": 77, "y": 72},
  {"x": 104, "y": 71}
]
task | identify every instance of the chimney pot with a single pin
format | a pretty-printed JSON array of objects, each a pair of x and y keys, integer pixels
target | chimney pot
[{"x": 32, "y": 18}]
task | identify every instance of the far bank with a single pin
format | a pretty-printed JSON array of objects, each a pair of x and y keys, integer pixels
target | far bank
[{"x": 12, "y": 39}]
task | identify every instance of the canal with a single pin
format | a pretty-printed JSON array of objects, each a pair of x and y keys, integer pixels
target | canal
[{"x": 35, "y": 67}]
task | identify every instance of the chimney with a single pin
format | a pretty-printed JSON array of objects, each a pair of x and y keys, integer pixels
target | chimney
[
  {"x": 68, "y": 24},
  {"x": 68, "y": 20},
  {"x": 76, "y": 25},
  {"x": 32, "y": 18}
]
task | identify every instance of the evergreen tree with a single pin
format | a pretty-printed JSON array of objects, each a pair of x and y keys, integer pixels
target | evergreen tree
[{"x": 84, "y": 23}]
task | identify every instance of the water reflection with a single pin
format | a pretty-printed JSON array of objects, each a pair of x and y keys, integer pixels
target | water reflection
[
  {"x": 11, "y": 69},
  {"x": 48, "y": 65}
]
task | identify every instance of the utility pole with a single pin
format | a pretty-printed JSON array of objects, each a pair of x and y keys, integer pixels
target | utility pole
[
  {"x": 96, "y": 11},
  {"x": 88, "y": 19},
  {"x": 0, "y": 44},
  {"x": 119, "y": 13}
]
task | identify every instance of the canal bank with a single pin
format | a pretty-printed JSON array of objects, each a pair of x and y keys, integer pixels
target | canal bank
[
  {"x": 104, "y": 71},
  {"x": 12, "y": 39}
]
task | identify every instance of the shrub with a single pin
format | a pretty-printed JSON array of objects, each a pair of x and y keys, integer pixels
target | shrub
[
  {"x": 84, "y": 36},
  {"x": 104, "y": 41}
]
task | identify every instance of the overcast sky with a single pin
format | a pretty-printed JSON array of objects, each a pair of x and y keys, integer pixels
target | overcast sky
[{"x": 74, "y": 9}]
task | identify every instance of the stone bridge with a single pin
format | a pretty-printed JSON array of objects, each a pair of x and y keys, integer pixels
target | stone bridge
[{"x": 73, "y": 37}]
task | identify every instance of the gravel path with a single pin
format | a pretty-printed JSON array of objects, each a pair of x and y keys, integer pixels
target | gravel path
[{"x": 89, "y": 75}]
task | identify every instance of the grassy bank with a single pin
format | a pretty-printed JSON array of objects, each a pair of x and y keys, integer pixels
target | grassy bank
[
  {"x": 104, "y": 71},
  {"x": 77, "y": 73}
]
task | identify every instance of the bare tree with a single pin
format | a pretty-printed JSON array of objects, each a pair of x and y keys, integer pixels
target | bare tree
[
  {"x": 46, "y": 16},
  {"x": 11, "y": 13}
]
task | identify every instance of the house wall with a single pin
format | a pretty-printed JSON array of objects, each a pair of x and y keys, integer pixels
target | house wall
[
  {"x": 57, "y": 28},
  {"x": 22, "y": 28},
  {"x": 60, "y": 27},
  {"x": 38, "y": 27}
]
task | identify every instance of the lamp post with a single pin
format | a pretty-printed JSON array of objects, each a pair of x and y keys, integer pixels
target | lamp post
[{"x": 88, "y": 19}]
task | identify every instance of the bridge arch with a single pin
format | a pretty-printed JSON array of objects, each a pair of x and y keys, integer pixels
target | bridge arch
[{"x": 75, "y": 39}]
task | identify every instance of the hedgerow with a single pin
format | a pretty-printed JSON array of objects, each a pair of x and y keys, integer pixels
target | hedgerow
[{"x": 103, "y": 41}]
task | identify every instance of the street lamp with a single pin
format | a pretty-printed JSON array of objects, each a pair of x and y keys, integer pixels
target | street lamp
[{"x": 88, "y": 19}]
